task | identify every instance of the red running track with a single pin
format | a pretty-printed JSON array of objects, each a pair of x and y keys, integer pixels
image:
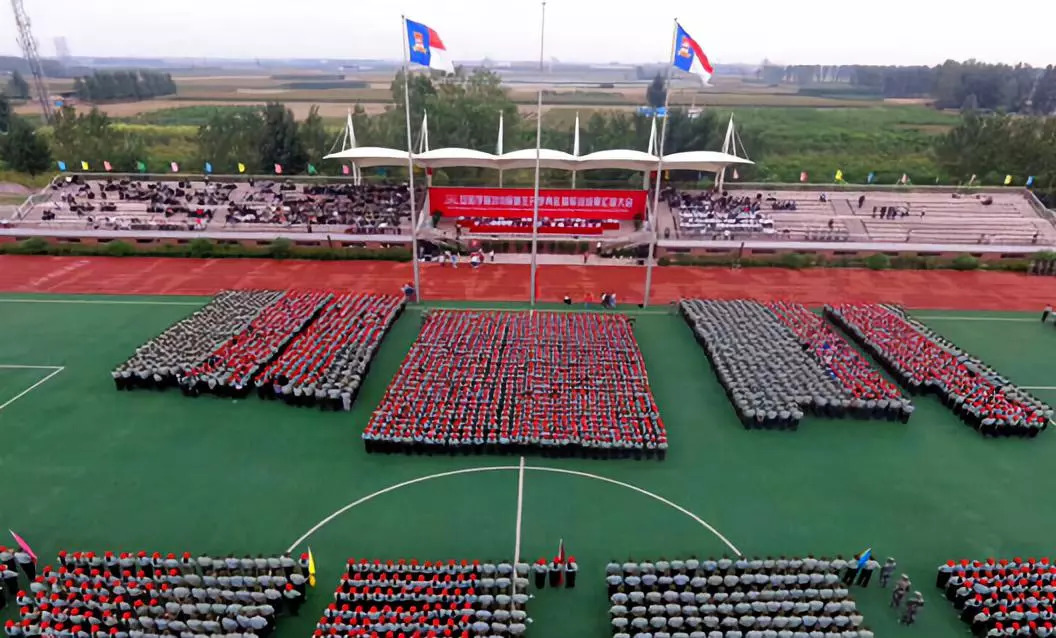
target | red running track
[{"x": 932, "y": 289}]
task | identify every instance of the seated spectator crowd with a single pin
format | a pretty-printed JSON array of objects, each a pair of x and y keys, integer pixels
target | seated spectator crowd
[
  {"x": 840, "y": 359},
  {"x": 769, "y": 374},
  {"x": 408, "y": 599},
  {"x": 364, "y": 209},
  {"x": 711, "y": 212},
  {"x": 746, "y": 598},
  {"x": 1002, "y": 597},
  {"x": 139, "y": 596},
  {"x": 268, "y": 341},
  {"x": 517, "y": 382},
  {"x": 925, "y": 362}
]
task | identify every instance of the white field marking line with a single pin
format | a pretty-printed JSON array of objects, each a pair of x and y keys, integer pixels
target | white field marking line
[
  {"x": 498, "y": 468},
  {"x": 14, "y": 366},
  {"x": 944, "y": 318},
  {"x": 520, "y": 515},
  {"x": 114, "y": 302},
  {"x": 32, "y": 387},
  {"x": 1037, "y": 387}
]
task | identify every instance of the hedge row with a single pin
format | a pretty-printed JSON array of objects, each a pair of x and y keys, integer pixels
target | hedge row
[
  {"x": 203, "y": 248},
  {"x": 872, "y": 262}
]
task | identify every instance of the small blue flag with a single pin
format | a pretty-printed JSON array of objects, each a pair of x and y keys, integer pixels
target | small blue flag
[
  {"x": 872, "y": 176},
  {"x": 1030, "y": 181},
  {"x": 864, "y": 558},
  {"x": 208, "y": 167},
  {"x": 62, "y": 165}
]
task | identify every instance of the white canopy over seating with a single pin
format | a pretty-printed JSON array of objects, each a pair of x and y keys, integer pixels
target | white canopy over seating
[{"x": 626, "y": 159}]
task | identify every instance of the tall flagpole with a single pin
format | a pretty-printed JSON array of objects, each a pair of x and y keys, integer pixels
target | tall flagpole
[
  {"x": 498, "y": 147},
  {"x": 410, "y": 161},
  {"x": 538, "y": 160},
  {"x": 575, "y": 148},
  {"x": 653, "y": 234}
]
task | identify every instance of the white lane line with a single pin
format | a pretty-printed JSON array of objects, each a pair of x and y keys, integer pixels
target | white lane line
[
  {"x": 520, "y": 513},
  {"x": 113, "y": 302},
  {"x": 31, "y": 388},
  {"x": 944, "y": 318},
  {"x": 499, "y": 468},
  {"x": 14, "y": 366},
  {"x": 572, "y": 310}
]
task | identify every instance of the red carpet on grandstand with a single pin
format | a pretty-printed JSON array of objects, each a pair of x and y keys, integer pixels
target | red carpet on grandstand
[{"x": 510, "y": 282}]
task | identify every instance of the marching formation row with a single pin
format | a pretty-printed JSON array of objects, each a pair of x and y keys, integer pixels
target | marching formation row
[
  {"x": 1002, "y": 597},
  {"x": 558, "y": 384},
  {"x": 427, "y": 600},
  {"x": 923, "y": 362},
  {"x": 139, "y": 596},
  {"x": 739, "y": 598},
  {"x": 776, "y": 364},
  {"x": 305, "y": 348}
]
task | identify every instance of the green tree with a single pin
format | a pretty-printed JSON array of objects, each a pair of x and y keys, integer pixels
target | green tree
[
  {"x": 229, "y": 138},
  {"x": 656, "y": 94},
  {"x": 17, "y": 87},
  {"x": 5, "y": 114},
  {"x": 24, "y": 150},
  {"x": 91, "y": 137},
  {"x": 314, "y": 137},
  {"x": 279, "y": 140}
]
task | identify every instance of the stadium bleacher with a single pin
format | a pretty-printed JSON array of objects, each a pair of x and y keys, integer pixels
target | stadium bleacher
[
  {"x": 519, "y": 382},
  {"x": 428, "y": 600},
  {"x": 925, "y": 362},
  {"x": 746, "y": 597}
]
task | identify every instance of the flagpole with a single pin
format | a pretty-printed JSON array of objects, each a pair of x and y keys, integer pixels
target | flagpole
[
  {"x": 538, "y": 146},
  {"x": 410, "y": 161},
  {"x": 498, "y": 147},
  {"x": 575, "y": 148},
  {"x": 653, "y": 234}
]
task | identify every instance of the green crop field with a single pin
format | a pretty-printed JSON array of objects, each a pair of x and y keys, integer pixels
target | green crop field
[{"x": 90, "y": 468}]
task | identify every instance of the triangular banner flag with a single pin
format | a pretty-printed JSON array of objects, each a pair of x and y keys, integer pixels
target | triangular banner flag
[
  {"x": 1008, "y": 180},
  {"x": 106, "y": 166},
  {"x": 803, "y": 176},
  {"x": 278, "y": 169},
  {"x": 62, "y": 165},
  {"x": 208, "y": 167},
  {"x": 84, "y": 165},
  {"x": 1030, "y": 181},
  {"x": 311, "y": 170},
  {"x": 141, "y": 167},
  {"x": 241, "y": 167},
  {"x": 346, "y": 169},
  {"x": 175, "y": 167}
]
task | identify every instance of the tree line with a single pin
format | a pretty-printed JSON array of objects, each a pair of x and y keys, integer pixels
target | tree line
[
  {"x": 1018, "y": 88},
  {"x": 131, "y": 85}
]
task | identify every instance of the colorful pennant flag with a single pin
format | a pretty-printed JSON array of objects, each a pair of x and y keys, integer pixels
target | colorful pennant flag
[
  {"x": 871, "y": 178},
  {"x": 839, "y": 175},
  {"x": 84, "y": 165},
  {"x": 175, "y": 167},
  {"x": 241, "y": 167},
  {"x": 311, "y": 567},
  {"x": 864, "y": 557},
  {"x": 311, "y": 170},
  {"x": 803, "y": 176},
  {"x": 736, "y": 175},
  {"x": 278, "y": 169},
  {"x": 904, "y": 180},
  {"x": 24, "y": 545},
  {"x": 1030, "y": 181},
  {"x": 106, "y": 166},
  {"x": 62, "y": 165},
  {"x": 346, "y": 169},
  {"x": 208, "y": 167},
  {"x": 141, "y": 167},
  {"x": 1008, "y": 180},
  {"x": 561, "y": 551}
]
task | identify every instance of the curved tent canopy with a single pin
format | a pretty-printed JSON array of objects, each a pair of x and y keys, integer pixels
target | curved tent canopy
[
  {"x": 708, "y": 161},
  {"x": 367, "y": 156},
  {"x": 627, "y": 159},
  {"x": 452, "y": 157},
  {"x": 548, "y": 158}
]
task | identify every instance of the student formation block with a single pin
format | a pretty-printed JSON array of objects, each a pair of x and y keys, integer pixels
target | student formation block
[
  {"x": 556, "y": 384},
  {"x": 300, "y": 347}
]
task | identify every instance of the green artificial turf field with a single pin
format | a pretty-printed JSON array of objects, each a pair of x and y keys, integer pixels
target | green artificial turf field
[{"x": 90, "y": 468}]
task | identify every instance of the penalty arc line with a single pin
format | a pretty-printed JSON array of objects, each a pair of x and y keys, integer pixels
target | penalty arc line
[
  {"x": 31, "y": 388},
  {"x": 500, "y": 468}
]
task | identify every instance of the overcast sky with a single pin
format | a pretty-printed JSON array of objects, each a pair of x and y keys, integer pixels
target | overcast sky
[{"x": 785, "y": 31}]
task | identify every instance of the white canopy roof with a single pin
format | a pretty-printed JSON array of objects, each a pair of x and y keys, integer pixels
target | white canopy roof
[
  {"x": 548, "y": 158},
  {"x": 367, "y": 156},
  {"x": 627, "y": 159},
  {"x": 450, "y": 157},
  {"x": 710, "y": 161}
]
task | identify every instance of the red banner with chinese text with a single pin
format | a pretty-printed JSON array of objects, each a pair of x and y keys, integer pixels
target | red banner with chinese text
[{"x": 554, "y": 203}]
